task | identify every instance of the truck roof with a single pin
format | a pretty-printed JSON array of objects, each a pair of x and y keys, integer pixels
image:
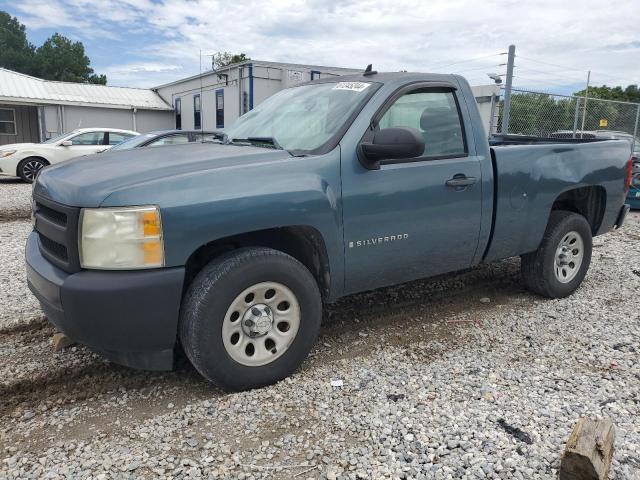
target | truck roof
[{"x": 388, "y": 77}]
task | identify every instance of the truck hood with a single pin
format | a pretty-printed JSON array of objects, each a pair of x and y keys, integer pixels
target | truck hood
[{"x": 87, "y": 181}]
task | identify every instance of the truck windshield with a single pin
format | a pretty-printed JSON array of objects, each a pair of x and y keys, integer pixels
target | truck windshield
[{"x": 303, "y": 118}]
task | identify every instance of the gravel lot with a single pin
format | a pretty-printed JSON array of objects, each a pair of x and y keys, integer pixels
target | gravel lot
[
  {"x": 15, "y": 199},
  {"x": 433, "y": 377}
]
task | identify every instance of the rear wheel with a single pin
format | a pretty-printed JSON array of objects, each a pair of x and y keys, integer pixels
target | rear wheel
[
  {"x": 561, "y": 262},
  {"x": 250, "y": 318},
  {"x": 29, "y": 167}
]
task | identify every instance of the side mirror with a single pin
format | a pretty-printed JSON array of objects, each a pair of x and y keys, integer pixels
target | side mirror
[
  {"x": 67, "y": 143},
  {"x": 392, "y": 143}
]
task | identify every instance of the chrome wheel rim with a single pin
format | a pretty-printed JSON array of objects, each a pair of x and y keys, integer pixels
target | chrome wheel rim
[
  {"x": 31, "y": 169},
  {"x": 261, "y": 324},
  {"x": 569, "y": 256}
]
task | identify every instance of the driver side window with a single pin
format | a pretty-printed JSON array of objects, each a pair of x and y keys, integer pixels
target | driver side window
[
  {"x": 88, "y": 138},
  {"x": 435, "y": 115}
]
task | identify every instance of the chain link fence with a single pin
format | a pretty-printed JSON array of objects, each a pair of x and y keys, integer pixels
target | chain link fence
[{"x": 551, "y": 115}]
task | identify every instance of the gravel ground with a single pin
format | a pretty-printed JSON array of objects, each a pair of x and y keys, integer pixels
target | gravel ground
[
  {"x": 462, "y": 376},
  {"x": 15, "y": 199},
  {"x": 17, "y": 304}
]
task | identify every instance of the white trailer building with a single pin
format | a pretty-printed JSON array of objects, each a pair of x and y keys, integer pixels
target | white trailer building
[{"x": 215, "y": 99}]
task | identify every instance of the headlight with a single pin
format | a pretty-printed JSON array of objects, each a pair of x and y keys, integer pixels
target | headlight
[
  {"x": 6, "y": 153},
  {"x": 121, "y": 238}
]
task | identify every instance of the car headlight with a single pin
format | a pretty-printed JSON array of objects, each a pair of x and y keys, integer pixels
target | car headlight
[
  {"x": 6, "y": 153},
  {"x": 121, "y": 238}
]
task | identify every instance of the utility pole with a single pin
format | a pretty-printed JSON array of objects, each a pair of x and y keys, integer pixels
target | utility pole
[
  {"x": 506, "y": 107},
  {"x": 584, "y": 108}
]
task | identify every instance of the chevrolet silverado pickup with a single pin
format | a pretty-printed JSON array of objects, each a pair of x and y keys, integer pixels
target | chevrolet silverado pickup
[{"x": 230, "y": 248}]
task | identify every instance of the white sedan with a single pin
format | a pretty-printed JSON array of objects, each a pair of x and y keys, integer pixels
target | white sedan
[{"x": 25, "y": 160}]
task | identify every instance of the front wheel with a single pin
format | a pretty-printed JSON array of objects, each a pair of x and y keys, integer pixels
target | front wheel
[
  {"x": 250, "y": 318},
  {"x": 29, "y": 168},
  {"x": 561, "y": 262}
]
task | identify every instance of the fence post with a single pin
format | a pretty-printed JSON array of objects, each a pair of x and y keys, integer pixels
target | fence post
[
  {"x": 575, "y": 118},
  {"x": 506, "y": 105},
  {"x": 584, "y": 109},
  {"x": 635, "y": 128},
  {"x": 492, "y": 118}
]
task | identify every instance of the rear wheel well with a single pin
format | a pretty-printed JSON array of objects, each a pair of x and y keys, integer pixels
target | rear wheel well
[
  {"x": 590, "y": 202},
  {"x": 302, "y": 242}
]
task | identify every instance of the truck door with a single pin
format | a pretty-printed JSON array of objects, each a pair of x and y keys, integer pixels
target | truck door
[{"x": 415, "y": 217}]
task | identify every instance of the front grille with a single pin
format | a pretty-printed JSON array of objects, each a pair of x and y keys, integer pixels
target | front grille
[
  {"x": 54, "y": 248},
  {"x": 55, "y": 216},
  {"x": 57, "y": 227}
]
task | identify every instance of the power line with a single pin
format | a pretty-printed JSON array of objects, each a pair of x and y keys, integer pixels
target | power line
[
  {"x": 484, "y": 67},
  {"x": 553, "y": 74},
  {"x": 583, "y": 70},
  {"x": 475, "y": 59}
]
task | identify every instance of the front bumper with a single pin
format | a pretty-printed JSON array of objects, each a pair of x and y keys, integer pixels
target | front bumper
[
  {"x": 129, "y": 317},
  {"x": 9, "y": 166}
]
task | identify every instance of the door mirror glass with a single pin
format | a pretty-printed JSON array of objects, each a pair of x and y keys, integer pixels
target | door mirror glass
[{"x": 391, "y": 144}]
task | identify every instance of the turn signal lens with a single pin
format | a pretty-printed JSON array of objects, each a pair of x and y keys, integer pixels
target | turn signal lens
[{"x": 121, "y": 238}]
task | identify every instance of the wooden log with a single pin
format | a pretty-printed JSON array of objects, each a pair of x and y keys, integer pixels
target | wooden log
[
  {"x": 589, "y": 450},
  {"x": 60, "y": 341}
]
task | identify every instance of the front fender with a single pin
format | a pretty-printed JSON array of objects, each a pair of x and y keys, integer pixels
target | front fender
[{"x": 202, "y": 207}]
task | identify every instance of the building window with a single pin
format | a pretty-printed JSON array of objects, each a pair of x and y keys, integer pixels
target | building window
[
  {"x": 178, "y": 108},
  {"x": 196, "y": 112},
  {"x": 7, "y": 121},
  {"x": 219, "y": 108}
]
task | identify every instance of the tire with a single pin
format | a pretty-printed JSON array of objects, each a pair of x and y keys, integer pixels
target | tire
[
  {"x": 218, "y": 294},
  {"x": 29, "y": 167},
  {"x": 546, "y": 271}
]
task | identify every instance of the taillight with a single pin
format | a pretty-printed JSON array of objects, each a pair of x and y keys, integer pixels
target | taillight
[{"x": 627, "y": 181}]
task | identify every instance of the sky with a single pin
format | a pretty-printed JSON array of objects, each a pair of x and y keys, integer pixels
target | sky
[{"x": 145, "y": 43}]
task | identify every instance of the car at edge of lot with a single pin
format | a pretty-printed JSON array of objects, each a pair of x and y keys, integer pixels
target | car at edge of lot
[
  {"x": 167, "y": 137},
  {"x": 25, "y": 160}
]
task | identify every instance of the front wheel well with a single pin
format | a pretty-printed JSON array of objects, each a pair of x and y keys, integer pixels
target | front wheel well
[
  {"x": 37, "y": 157},
  {"x": 304, "y": 243},
  {"x": 590, "y": 202}
]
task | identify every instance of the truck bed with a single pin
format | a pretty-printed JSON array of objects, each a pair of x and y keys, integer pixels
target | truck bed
[{"x": 531, "y": 174}]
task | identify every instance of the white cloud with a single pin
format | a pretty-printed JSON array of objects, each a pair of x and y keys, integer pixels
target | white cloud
[{"x": 392, "y": 34}]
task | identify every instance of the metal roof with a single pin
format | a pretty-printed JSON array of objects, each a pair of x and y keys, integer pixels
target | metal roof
[
  {"x": 19, "y": 88},
  {"x": 259, "y": 63}
]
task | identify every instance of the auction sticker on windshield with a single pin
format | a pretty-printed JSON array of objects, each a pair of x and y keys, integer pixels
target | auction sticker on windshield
[{"x": 353, "y": 86}]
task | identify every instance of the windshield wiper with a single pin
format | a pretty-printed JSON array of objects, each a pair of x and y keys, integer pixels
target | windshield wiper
[{"x": 260, "y": 140}]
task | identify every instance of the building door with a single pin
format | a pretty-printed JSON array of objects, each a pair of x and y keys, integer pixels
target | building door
[
  {"x": 220, "y": 108},
  {"x": 178, "y": 109}
]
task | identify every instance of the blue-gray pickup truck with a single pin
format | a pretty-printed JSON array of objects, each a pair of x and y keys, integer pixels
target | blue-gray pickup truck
[{"x": 231, "y": 248}]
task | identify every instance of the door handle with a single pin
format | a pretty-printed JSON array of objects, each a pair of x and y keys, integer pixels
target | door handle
[{"x": 460, "y": 180}]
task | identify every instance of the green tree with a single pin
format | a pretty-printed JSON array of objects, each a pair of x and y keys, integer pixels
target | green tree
[
  {"x": 539, "y": 114},
  {"x": 57, "y": 59},
  {"x": 631, "y": 93},
  {"x": 61, "y": 59},
  {"x": 16, "y": 53},
  {"x": 222, "y": 59}
]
